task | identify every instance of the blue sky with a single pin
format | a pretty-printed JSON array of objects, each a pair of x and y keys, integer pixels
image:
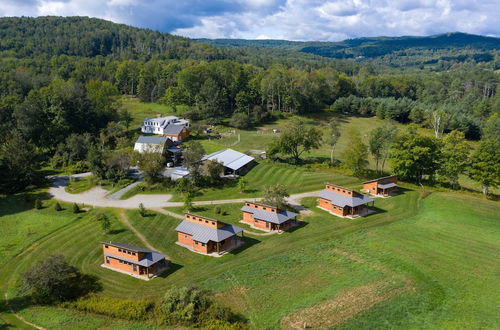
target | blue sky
[{"x": 279, "y": 19}]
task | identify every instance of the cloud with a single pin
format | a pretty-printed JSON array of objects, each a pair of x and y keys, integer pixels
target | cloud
[{"x": 279, "y": 19}]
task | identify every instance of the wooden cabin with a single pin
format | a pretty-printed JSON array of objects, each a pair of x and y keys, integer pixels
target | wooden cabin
[
  {"x": 383, "y": 187},
  {"x": 132, "y": 260},
  {"x": 207, "y": 236},
  {"x": 267, "y": 218},
  {"x": 343, "y": 202}
]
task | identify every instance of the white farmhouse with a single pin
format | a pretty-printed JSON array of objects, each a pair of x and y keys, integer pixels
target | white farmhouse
[{"x": 160, "y": 125}]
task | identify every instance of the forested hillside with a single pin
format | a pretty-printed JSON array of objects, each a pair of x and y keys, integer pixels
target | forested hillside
[
  {"x": 61, "y": 78},
  {"x": 89, "y": 37},
  {"x": 444, "y": 49}
]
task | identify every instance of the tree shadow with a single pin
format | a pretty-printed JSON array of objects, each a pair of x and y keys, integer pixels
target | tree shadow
[
  {"x": 248, "y": 242},
  {"x": 15, "y": 304},
  {"x": 172, "y": 268},
  {"x": 17, "y": 203},
  {"x": 116, "y": 231}
]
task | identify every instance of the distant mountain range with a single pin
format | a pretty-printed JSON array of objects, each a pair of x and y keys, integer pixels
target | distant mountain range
[
  {"x": 368, "y": 47},
  {"x": 436, "y": 52}
]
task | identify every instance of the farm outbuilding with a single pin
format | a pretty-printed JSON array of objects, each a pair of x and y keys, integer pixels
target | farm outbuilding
[{"x": 234, "y": 162}]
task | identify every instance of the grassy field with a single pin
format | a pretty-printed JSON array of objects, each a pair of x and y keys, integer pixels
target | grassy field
[
  {"x": 296, "y": 179},
  {"x": 434, "y": 255},
  {"x": 79, "y": 185}
]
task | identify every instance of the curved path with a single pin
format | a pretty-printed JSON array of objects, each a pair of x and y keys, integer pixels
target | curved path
[{"x": 97, "y": 197}]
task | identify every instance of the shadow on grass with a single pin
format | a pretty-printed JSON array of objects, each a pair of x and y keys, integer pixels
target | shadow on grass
[
  {"x": 375, "y": 210},
  {"x": 172, "y": 268},
  {"x": 13, "y": 204},
  {"x": 116, "y": 231},
  {"x": 300, "y": 225},
  {"x": 15, "y": 304},
  {"x": 248, "y": 242}
]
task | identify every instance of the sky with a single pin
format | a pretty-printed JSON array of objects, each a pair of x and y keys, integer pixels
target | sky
[{"x": 326, "y": 20}]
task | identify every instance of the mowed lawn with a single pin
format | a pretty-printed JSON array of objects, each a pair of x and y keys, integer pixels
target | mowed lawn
[
  {"x": 296, "y": 179},
  {"x": 446, "y": 245}
]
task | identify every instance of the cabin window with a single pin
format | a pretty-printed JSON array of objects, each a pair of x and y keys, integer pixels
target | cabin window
[
  {"x": 213, "y": 223},
  {"x": 267, "y": 224},
  {"x": 202, "y": 244},
  {"x": 106, "y": 246},
  {"x": 264, "y": 208},
  {"x": 107, "y": 260},
  {"x": 248, "y": 204},
  {"x": 133, "y": 253},
  {"x": 206, "y": 221}
]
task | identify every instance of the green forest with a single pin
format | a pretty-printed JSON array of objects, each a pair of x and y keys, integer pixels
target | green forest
[{"x": 62, "y": 79}]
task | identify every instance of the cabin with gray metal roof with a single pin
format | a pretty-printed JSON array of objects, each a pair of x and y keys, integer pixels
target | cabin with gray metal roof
[
  {"x": 267, "y": 218},
  {"x": 343, "y": 202},
  {"x": 381, "y": 187},
  {"x": 133, "y": 260},
  {"x": 207, "y": 236}
]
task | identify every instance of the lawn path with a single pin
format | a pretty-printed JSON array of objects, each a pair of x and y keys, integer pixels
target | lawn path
[
  {"x": 124, "y": 219},
  {"x": 19, "y": 317}
]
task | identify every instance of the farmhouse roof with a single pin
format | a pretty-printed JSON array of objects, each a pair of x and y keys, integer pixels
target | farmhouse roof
[
  {"x": 229, "y": 158},
  {"x": 204, "y": 234},
  {"x": 380, "y": 179},
  {"x": 152, "y": 139},
  {"x": 273, "y": 217},
  {"x": 173, "y": 129},
  {"x": 343, "y": 200}
]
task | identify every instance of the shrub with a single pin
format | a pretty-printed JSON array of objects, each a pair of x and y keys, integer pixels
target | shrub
[
  {"x": 57, "y": 207},
  {"x": 183, "y": 305},
  {"x": 121, "y": 308},
  {"x": 190, "y": 306},
  {"x": 142, "y": 210},
  {"x": 38, "y": 204},
  {"x": 76, "y": 208},
  {"x": 53, "y": 280},
  {"x": 217, "y": 209}
]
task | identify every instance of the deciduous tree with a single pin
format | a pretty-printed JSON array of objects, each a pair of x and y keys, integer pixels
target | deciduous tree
[
  {"x": 484, "y": 167},
  {"x": 356, "y": 155},
  {"x": 414, "y": 155},
  {"x": 455, "y": 157}
]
